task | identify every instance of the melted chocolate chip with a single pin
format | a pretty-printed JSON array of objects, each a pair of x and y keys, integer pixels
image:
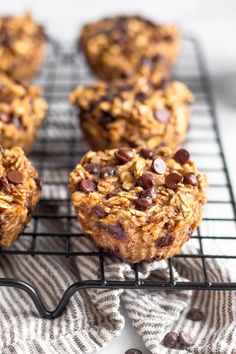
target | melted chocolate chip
[
  {"x": 168, "y": 38},
  {"x": 146, "y": 181},
  {"x": 185, "y": 339},
  {"x": 133, "y": 351},
  {"x": 107, "y": 171},
  {"x": 170, "y": 340},
  {"x": 164, "y": 241},
  {"x": 190, "y": 178},
  {"x": 172, "y": 180},
  {"x": 117, "y": 231},
  {"x": 92, "y": 168},
  {"x": 106, "y": 119},
  {"x": 110, "y": 195},
  {"x": 158, "y": 58},
  {"x": 124, "y": 154},
  {"x": 15, "y": 177},
  {"x": 148, "y": 193},
  {"x": 162, "y": 115},
  {"x": 87, "y": 186},
  {"x": 143, "y": 203},
  {"x": 125, "y": 74},
  {"x": 4, "y": 185},
  {"x": 99, "y": 212},
  {"x": 159, "y": 166},
  {"x": 147, "y": 153},
  {"x": 141, "y": 96},
  {"x": 195, "y": 315},
  {"x": 182, "y": 156}
]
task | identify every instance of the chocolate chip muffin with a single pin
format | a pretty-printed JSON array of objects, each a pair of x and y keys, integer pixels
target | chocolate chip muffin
[
  {"x": 123, "y": 46},
  {"x": 141, "y": 204},
  {"x": 22, "y": 110},
  {"x": 22, "y": 46},
  {"x": 133, "y": 113},
  {"x": 19, "y": 193}
]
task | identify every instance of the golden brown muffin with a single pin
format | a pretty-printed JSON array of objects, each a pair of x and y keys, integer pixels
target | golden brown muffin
[
  {"x": 133, "y": 113},
  {"x": 140, "y": 204},
  {"x": 19, "y": 193},
  {"x": 22, "y": 110},
  {"x": 22, "y": 46},
  {"x": 123, "y": 46}
]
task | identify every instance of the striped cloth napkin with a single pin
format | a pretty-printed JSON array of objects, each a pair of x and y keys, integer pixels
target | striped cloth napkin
[{"x": 93, "y": 316}]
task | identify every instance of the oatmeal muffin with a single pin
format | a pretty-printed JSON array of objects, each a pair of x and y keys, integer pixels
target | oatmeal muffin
[
  {"x": 19, "y": 193},
  {"x": 122, "y": 46},
  {"x": 22, "y": 46},
  {"x": 133, "y": 113},
  {"x": 22, "y": 110},
  {"x": 141, "y": 204}
]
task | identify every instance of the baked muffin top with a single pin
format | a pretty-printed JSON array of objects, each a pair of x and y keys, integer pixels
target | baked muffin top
[
  {"x": 19, "y": 102},
  {"x": 18, "y": 33},
  {"x": 130, "y": 43}
]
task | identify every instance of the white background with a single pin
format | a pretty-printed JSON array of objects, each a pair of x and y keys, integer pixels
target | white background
[{"x": 212, "y": 21}]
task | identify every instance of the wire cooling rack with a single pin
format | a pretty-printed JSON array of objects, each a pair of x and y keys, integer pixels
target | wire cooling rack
[{"x": 60, "y": 147}]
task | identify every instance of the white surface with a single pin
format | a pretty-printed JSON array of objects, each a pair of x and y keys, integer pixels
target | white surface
[{"x": 213, "y": 22}]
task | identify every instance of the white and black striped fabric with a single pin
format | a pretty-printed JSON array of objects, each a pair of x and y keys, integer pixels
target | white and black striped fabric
[{"x": 93, "y": 317}]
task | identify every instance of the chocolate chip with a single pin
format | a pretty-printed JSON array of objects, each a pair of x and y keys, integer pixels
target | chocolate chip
[
  {"x": 147, "y": 153},
  {"x": 133, "y": 351},
  {"x": 148, "y": 193},
  {"x": 15, "y": 177},
  {"x": 92, "y": 168},
  {"x": 106, "y": 119},
  {"x": 168, "y": 38},
  {"x": 133, "y": 144},
  {"x": 182, "y": 156},
  {"x": 110, "y": 195},
  {"x": 141, "y": 96},
  {"x": 159, "y": 166},
  {"x": 87, "y": 186},
  {"x": 190, "y": 178},
  {"x": 143, "y": 203},
  {"x": 185, "y": 339},
  {"x": 107, "y": 171},
  {"x": 4, "y": 185},
  {"x": 1, "y": 236},
  {"x": 99, "y": 212},
  {"x": 162, "y": 114},
  {"x": 5, "y": 118},
  {"x": 39, "y": 183},
  {"x": 125, "y": 74},
  {"x": 164, "y": 241},
  {"x": 172, "y": 180},
  {"x": 158, "y": 58},
  {"x": 170, "y": 340},
  {"x": 146, "y": 181},
  {"x": 117, "y": 231},
  {"x": 195, "y": 315},
  {"x": 124, "y": 154}
]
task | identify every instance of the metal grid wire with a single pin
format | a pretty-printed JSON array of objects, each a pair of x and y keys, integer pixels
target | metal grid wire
[{"x": 60, "y": 147}]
